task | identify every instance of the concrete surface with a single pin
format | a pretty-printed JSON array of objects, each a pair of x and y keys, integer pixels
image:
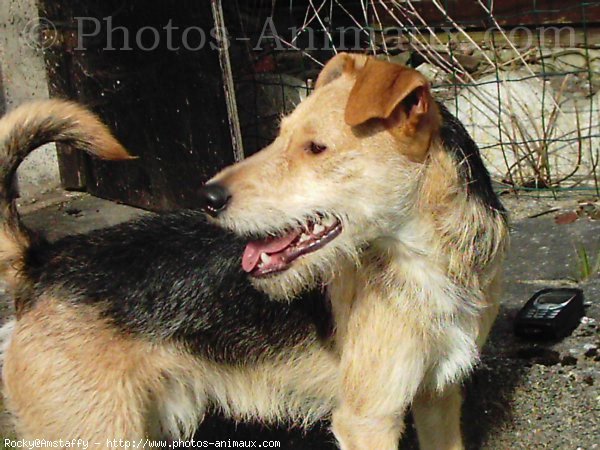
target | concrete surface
[
  {"x": 23, "y": 78},
  {"x": 523, "y": 395}
]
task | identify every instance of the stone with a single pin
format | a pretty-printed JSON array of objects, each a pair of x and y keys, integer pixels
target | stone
[{"x": 568, "y": 360}]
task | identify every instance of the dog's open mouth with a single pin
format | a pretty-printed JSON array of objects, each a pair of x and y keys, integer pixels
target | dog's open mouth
[{"x": 276, "y": 254}]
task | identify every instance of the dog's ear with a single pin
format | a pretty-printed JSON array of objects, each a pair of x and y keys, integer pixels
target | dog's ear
[
  {"x": 339, "y": 64},
  {"x": 398, "y": 96},
  {"x": 383, "y": 88}
]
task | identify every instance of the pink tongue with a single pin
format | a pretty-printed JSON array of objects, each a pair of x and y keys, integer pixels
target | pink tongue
[{"x": 268, "y": 246}]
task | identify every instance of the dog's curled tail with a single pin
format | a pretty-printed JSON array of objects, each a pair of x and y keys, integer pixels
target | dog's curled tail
[{"x": 23, "y": 130}]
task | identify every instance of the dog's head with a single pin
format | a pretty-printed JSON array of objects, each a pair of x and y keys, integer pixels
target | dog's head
[{"x": 342, "y": 173}]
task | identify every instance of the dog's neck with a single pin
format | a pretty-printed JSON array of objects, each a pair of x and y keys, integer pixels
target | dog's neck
[{"x": 448, "y": 237}]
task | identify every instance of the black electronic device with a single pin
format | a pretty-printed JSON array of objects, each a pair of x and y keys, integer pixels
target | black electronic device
[{"x": 550, "y": 314}]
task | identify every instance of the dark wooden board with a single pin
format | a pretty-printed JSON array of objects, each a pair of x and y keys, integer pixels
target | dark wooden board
[{"x": 166, "y": 106}]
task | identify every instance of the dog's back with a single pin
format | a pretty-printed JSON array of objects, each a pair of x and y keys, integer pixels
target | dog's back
[{"x": 135, "y": 330}]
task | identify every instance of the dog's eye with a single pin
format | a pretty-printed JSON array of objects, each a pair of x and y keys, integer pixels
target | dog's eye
[{"x": 315, "y": 148}]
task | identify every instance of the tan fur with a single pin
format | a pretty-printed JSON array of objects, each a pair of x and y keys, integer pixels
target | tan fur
[
  {"x": 437, "y": 419},
  {"x": 413, "y": 277},
  {"x": 128, "y": 388},
  {"x": 56, "y": 351},
  {"x": 84, "y": 124},
  {"x": 12, "y": 248}
]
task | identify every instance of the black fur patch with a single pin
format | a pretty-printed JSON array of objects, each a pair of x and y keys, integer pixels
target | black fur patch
[
  {"x": 459, "y": 143},
  {"x": 177, "y": 277}
]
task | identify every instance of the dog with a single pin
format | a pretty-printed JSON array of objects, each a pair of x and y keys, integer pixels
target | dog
[
  {"x": 377, "y": 191},
  {"x": 372, "y": 191}
]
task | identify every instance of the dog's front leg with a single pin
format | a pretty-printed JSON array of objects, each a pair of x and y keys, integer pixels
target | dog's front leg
[
  {"x": 381, "y": 368},
  {"x": 437, "y": 418}
]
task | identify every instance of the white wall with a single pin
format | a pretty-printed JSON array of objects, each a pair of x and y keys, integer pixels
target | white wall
[{"x": 24, "y": 78}]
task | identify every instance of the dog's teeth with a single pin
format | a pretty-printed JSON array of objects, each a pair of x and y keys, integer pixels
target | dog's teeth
[
  {"x": 265, "y": 258},
  {"x": 328, "y": 221},
  {"x": 304, "y": 237},
  {"x": 318, "y": 228}
]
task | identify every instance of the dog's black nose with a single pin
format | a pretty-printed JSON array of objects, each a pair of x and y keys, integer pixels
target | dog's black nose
[{"x": 214, "y": 198}]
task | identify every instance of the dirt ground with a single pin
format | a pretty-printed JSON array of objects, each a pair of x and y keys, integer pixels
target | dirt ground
[{"x": 523, "y": 395}]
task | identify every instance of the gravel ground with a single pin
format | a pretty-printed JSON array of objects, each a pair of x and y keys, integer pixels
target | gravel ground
[
  {"x": 540, "y": 395},
  {"x": 523, "y": 395}
]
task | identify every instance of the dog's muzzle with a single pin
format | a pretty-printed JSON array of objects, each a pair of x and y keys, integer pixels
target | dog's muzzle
[{"x": 214, "y": 199}]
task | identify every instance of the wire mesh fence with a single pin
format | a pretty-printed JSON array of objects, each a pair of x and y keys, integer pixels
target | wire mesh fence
[{"x": 523, "y": 75}]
